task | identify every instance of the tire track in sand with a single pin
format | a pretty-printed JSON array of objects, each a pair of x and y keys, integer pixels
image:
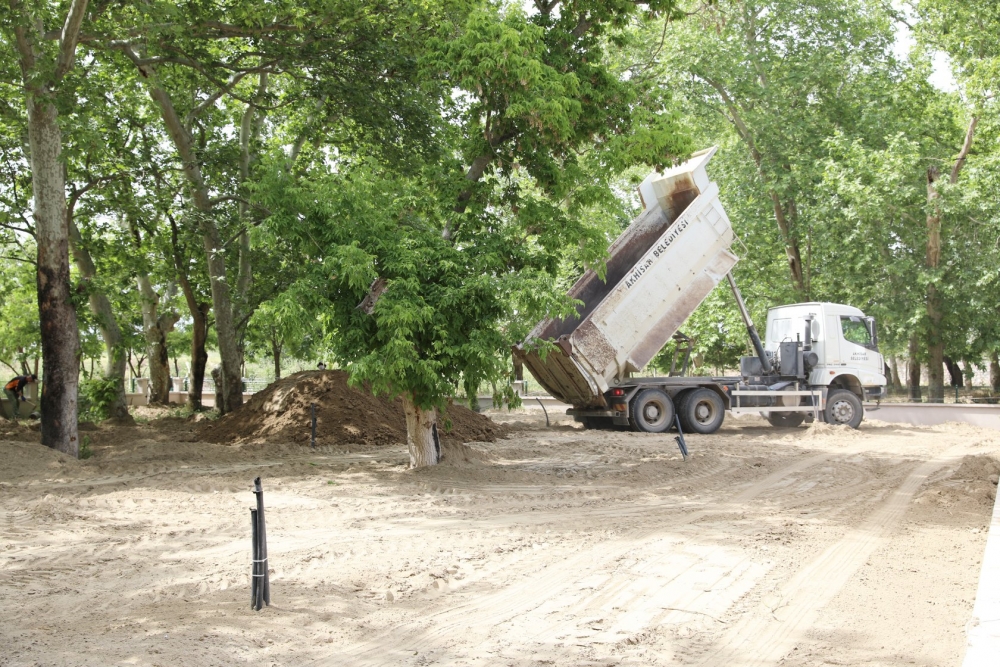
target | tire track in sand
[
  {"x": 765, "y": 637},
  {"x": 444, "y": 627},
  {"x": 663, "y": 584}
]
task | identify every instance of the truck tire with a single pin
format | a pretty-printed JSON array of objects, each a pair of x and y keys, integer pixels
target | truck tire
[
  {"x": 652, "y": 411},
  {"x": 843, "y": 408},
  {"x": 590, "y": 423},
  {"x": 786, "y": 419},
  {"x": 701, "y": 411}
]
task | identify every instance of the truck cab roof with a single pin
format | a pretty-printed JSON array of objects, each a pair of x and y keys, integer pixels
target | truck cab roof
[{"x": 791, "y": 310}]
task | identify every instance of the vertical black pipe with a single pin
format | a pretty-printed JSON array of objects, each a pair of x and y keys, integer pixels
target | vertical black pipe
[
  {"x": 544, "y": 410},
  {"x": 681, "y": 444},
  {"x": 255, "y": 569},
  {"x": 262, "y": 536}
]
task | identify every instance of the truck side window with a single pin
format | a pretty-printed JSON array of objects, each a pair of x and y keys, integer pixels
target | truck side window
[{"x": 855, "y": 330}]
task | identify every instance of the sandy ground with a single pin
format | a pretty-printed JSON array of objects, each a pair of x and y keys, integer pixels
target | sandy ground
[{"x": 555, "y": 546}]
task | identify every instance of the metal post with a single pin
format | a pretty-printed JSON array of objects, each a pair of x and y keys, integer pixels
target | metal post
[{"x": 312, "y": 441}]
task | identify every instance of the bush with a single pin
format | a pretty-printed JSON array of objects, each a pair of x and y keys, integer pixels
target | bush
[{"x": 96, "y": 397}]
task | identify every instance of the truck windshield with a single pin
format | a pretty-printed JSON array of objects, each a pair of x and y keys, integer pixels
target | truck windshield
[{"x": 856, "y": 331}]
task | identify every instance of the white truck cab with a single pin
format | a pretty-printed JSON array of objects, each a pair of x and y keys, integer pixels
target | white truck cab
[{"x": 844, "y": 339}]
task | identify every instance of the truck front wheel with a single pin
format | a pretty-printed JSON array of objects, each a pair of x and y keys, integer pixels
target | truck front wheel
[
  {"x": 652, "y": 411},
  {"x": 701, "y": 411},
  {"x": 844, "y": 408}
]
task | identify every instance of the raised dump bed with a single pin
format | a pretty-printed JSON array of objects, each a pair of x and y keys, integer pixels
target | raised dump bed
[{"x": 658, "y": 272}]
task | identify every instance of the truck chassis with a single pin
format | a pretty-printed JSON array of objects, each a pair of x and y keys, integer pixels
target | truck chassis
[{"x": 699, "y": 403}]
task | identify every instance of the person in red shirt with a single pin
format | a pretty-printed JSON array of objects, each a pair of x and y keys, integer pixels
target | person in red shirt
[{"x": 15, "y": 391}]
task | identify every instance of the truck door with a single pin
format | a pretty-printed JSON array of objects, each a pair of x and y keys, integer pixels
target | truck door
[{"x": 858, "y": 347}]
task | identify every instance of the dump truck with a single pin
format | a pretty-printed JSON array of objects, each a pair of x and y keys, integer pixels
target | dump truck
[{"x": 818, "y": 361}]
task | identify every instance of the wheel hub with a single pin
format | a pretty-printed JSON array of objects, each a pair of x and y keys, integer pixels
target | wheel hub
[
  {"x": 702, "y": 412},
  {"x": 842, "y": 411},
  {"x": 651, "y": 412}
]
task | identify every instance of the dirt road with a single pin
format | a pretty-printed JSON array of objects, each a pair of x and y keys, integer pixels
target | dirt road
[{"x": 818, "y": 546}]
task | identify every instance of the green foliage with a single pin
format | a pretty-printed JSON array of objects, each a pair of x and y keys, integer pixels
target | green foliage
[
  {"x": 96, "y": 398},
  {"x": 968, "y": 32},
  {"x": 85, "y": 451},
  {"x": 539, "y": 92},
  {"x": 438, "y": 317},
  {"x": 20, "y": 336}
]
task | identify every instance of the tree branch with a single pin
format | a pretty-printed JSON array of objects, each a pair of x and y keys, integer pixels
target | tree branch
[
  {"x": 964, "y": 153},
  {"x": 17, "y": 229},
  {"x": 68, "y": 38},
  {"x": 23, "y": 260},
  {"x": 736, "y": 119},
  {"x": 213, "y": 98},
  {"x": 207, "y": 30},
  {"x": 24, "y": 46}
]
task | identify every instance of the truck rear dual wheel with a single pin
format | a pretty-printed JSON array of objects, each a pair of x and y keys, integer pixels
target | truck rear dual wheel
[
  {"x": 786, "y": 419},
  {"x": 652, "y": 411},
  {"x": 843, "y": 407},
  {"x": 701, "y": 411}
]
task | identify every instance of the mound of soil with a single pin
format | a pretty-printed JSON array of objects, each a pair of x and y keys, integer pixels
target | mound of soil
[
  {"x": 344, "y": 415},
  {"x": 19, "y": 431}
]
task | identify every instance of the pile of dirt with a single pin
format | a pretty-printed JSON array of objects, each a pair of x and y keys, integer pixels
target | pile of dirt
[
  {"x": 968, "y": 490},
  {"x": 344, "y": 415},
  {"x": 20, "y": 431}
]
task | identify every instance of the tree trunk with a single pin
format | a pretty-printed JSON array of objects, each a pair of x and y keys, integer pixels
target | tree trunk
[
  {"x": 199, "y": 322},
  {"x": 276, "y": 354},
  {"x": 913, "y": 371},
  {"x": 217, "y": 381},
  {"x": 954, "y": 371},
  {"x": 250, "y": 126},
  {"x": 421, "y": 433},
  {"x": 894, "y": 367},
  {"x": 199, "y": 355},
  {"x": 935, "y": 315},
  {"x": 781, "y": 216},
  {"x": 995, "y": 372},
  {"x": 56, "y": 313},
  {"x": 100, "y": 306},
  {"x": 782, "y": 212},
  {"x": 932, "y": 261},
  {"x": 155, "y": 328}
]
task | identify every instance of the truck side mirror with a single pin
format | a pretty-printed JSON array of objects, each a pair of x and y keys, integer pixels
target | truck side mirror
[{"x": 870, "y": 325}]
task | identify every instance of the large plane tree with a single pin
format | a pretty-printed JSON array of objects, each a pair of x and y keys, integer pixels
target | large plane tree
[{"x": 422, "y": 268}]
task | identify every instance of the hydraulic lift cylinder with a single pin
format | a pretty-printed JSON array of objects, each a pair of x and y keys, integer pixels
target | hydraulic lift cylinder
[{"x": 765, "y": 364}]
